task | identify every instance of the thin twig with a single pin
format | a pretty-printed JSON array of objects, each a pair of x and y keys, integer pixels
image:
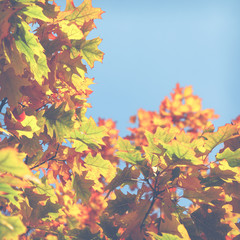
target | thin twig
[
  {"x": 51, "y": 158},
  {"x": 148, "y": 211},
  {"x": 4, "y": 101}
]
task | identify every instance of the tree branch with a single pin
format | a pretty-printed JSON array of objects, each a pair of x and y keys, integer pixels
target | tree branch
[{"x": 3, "y": 102}]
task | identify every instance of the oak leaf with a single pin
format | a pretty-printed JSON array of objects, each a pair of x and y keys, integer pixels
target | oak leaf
[
  {"x": 59, "y": 122},
  {"x": 27, "y": 44},
  {"x": 81, "y": 14},
  {"x": 11, "y": 227},
  {"x": 10, "y": 86},
  {"x": 12, "y": 163},
  {"x": 90, "y": 52},
  {"x": 89, "y": 135},
  {"x": 82, "y": 187},
  {"x": 128, "y": 152}
]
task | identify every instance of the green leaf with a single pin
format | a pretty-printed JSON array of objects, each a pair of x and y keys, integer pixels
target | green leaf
[
  {"x": 11, "y": 227},
  {"x": 99, "y": 165},
  {"x": 128, "y": 152},
  {"x": 8, "y": 192},
  {"x": 232, "y": 157},
  {"x": 10, "y": 162},
  {"x": 35, "y": 11},
  {"x": 46, "y": 189},
  {"x": 165, "y": 236},
  {"x": 152, "y": 150},
  {"x": 181, "y": 154},
  {"x": 224, "y": 133},
  {"x": 89, "y": 135},
  {"x": 30, "y": 125},
  {"x": 90, "y": 52},
  {"x": 165, "y": 134},
  {"x": 58, "y": 121},
  {"x": 27, "y": 44},
  {"x": 82, "y": 187}
]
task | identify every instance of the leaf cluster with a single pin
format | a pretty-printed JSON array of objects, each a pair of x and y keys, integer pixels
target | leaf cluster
[{"x": 64, "y": 176}]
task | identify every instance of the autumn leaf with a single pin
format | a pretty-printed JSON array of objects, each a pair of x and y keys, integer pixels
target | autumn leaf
[
  {"x": 49, "y": 210},
  {"x": 128, "y": 152},
  {"x": 12, "y": 163},
  {"x": 98, "y": 166},
  {"x": 90, "y": 52},
  {"x": 223, "y": 134},
  {"x": 30, "y": 145},
  {"x": 121, "y": 204},
  {"x": 173, "y": 226},
  {"x": 27, "y": 44},
  {"x": 204, "y": 196},
  {"x": 5, "y": 24},
  {"x": 209, "y": 220},
  {"x": 84, "y": 234},
  {"x": 11, "y": 194},
  {"x": 11, "y": 227},
  {"x": 59, "y": 122},
  {"x": 30, "y": 127},
  {"x": 125, "y": 176},
  {"x": 132, "y": 220},
  {"x": 164, "y": 236},
  {"x": 181, "y": 154},
  {"x": 71, "y": 30},
  {"x": 10, "y": 86},
  {"x": 82, "y": 187},
  {"x": 12, "y": 58},
  {"x": 35, "y": 11},
  {"x": 81, "y": 14},
  {"x": 232, "y": 157},
  {"x": 89, "y": 135}
]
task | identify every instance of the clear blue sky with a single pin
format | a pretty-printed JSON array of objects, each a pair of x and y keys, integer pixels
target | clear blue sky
[{"x": 151, "y": 45}]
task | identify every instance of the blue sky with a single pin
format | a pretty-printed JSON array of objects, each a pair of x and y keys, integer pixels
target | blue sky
[{"x": 151, "y": 45}]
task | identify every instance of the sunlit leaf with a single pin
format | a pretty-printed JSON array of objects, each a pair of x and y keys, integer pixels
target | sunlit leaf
[
  {"x": 232, "y": 157},
  {"x": 11, "y": 227},
  {"x": 100, "y": 166},
  {"x": 181, "y": 153},
  {"x": 214, "y": 138},
  {"x": 90, "y": 52},
  {"x": 33, "y": 51},
  {"x": 71, "y": 30},
  {"x": 58, "y": 121},
  {"x": 165, "y": 236},
  {"x": 9, "y": 193},
  {"x": 11, "y": 162},
  {"x": 35, "y": 11},
  {"x": 89, "y": 135},
  {"x": 128, "y": 152},
  {"x": 83, "y": 13}
]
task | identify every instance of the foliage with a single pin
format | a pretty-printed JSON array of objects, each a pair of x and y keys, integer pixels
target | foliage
[{"x": 60, "y": 174}]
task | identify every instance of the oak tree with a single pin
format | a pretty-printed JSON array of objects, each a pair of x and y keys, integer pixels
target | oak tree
[{"x": 62, "y": 174}]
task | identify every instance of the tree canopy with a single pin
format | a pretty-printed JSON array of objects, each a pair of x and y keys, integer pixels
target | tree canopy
[{"x": 65, "y": 176}]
